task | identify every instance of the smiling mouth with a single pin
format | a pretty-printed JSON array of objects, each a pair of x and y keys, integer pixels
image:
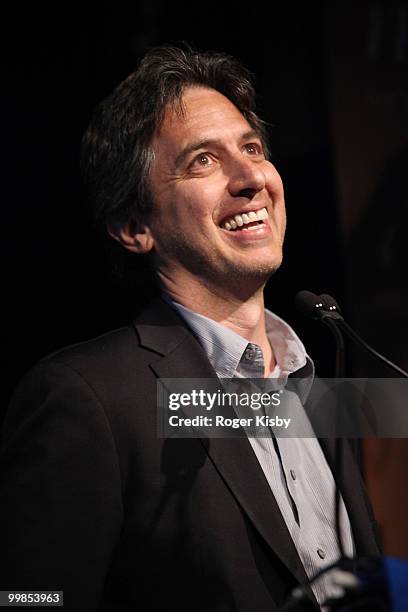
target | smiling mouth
[{"x": 248, "y": 220}]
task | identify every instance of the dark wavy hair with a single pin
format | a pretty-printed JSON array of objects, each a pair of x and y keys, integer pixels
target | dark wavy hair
[{"x": 116, "y": 155}]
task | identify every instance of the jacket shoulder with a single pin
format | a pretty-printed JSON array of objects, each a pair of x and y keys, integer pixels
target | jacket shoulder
[
  {"x": 107, "y": 347},
  {"x": 124, "y": 344}
]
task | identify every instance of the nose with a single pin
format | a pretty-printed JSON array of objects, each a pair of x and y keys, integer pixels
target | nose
[{"x": 246, "y": 178}]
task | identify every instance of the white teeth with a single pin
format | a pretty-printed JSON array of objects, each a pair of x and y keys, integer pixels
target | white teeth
[
  {"x": 245, "y": 218},
  {"x": 249, "y": 229},
  {"x": 262, "y": 214}
]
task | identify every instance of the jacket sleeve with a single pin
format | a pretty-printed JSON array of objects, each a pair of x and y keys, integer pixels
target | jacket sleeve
[{"x": 60, "y": 488}]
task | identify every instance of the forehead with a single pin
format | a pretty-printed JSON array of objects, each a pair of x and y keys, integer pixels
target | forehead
[{"x": 205, "y": 113}]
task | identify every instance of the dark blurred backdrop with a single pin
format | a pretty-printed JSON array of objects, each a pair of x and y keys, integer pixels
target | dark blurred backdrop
[{"x": 332, "y": 81}]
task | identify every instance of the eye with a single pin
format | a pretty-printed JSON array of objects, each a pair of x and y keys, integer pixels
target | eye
[
  {"x": 253, "y": 148},
  {"x": 201, "y": 161}
]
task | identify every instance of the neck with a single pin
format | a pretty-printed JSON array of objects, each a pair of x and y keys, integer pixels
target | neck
[{"x": 240, "y": 308}]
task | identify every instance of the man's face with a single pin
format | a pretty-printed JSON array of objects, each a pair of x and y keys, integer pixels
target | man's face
[{"x": 209, "y": 173}]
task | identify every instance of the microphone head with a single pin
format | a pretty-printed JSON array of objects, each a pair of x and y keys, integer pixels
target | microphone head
[
  {"x": 329, "y": 303},
  {"x": 309, "y": 304}
]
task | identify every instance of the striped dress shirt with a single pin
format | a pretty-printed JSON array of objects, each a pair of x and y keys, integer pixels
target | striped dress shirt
[{"x": 295, "y": 468}]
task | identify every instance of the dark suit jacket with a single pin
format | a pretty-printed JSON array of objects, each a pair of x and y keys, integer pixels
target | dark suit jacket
[{"x": 95, "y": 504}]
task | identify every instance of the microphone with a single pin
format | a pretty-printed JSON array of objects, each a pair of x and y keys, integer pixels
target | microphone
[
  {"x": 325, "y": 308},
  {"x": 309, "y": 305},
  {"x": 330, "y": 303},
  {"x": 316, "y": 307}
]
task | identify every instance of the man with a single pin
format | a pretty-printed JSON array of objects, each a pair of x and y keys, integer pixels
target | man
[{"x": 93, "y": 502}]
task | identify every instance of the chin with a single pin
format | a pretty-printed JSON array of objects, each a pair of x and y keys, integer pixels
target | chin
[
  {"x": 259, "y": 271},
  {"x": 263, "y": 266}
]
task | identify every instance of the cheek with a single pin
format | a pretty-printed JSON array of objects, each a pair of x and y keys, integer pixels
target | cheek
[{"x": 199, "y": 200}]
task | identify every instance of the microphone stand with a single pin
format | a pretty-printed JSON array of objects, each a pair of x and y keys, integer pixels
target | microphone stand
[
  {"x": 330, "y": 322},
  {"x": 319, "y": 309}
]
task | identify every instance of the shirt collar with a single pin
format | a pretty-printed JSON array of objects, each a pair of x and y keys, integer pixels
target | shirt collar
[
  {"x": 225, "y": 348},
  {"x": 290, "y": 353}
]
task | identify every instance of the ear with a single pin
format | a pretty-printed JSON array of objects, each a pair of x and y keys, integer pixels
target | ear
[{"x": 132, "y": 235}]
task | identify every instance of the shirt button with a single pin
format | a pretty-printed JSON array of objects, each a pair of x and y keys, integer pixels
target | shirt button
[
  {"x": 321, "y": 553},
  {"x": 293, "y": 474}
]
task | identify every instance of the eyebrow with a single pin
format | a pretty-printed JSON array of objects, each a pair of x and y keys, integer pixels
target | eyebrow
[{"x": 206, "y": 142}]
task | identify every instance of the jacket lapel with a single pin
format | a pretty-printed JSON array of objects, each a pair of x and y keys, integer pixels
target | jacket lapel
[{"x": 163, "y": 332}]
